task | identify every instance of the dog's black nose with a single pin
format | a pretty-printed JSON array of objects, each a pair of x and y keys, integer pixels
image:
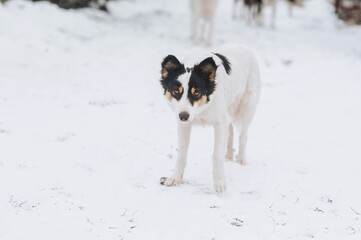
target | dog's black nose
[{"x": 183, "y": 116}]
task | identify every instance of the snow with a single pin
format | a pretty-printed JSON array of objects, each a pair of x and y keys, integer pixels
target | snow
[{"x": 85, "y": 134}]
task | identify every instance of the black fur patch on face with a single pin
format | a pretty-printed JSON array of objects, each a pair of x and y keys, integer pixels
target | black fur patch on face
[
  {"x": 226, "y": 64},
  {"x": 201, "y": 83},
  {"x": 171, "y": 70}
]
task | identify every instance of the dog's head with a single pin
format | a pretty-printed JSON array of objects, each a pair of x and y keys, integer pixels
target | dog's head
[{"x": 188, "y": 90}]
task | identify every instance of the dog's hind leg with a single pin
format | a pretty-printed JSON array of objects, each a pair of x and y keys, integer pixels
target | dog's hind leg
[
  {"x": 229, "y": 154},
  {"x": 241, "y": 156},
  {"x": 241, "y": 121},
  {"x": 246, "y": 109},
  {"x": 242, "y": 128}
]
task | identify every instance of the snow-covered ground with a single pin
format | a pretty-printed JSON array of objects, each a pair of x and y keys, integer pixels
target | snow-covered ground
[{"x": 85, "y": 133}]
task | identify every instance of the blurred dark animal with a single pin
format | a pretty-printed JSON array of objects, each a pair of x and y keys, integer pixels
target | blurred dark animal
[
  {"x": 349, "y": 10},
  {"x": 2, "y": 1},
  {"x": 203, "y": 12},
  {"x": 73, "y": 4},
  {"x": 253, "y": 9}
]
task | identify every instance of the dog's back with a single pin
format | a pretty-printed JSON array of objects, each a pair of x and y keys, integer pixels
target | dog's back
[{"x": 243, "y": 76}]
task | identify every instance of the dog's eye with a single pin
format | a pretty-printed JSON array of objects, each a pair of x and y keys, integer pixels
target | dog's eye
[
  {"x": 197, "y": 93},
  {"x": 177, "y": 91}
]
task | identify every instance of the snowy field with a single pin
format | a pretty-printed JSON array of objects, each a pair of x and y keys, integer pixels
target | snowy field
[{"x": 85, "y": 133}]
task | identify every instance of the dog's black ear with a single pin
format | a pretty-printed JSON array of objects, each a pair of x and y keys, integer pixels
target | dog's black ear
[
  {"x": 208, "y": 68},
  {"x": 171, "y": 65}
]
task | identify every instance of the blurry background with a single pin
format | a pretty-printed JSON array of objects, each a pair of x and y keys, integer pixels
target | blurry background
[{"x": 85, "y": 133}]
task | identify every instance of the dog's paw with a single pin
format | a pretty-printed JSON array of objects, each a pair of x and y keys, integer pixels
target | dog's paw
[
  {"x": 241, "y": 160},
  {"x": 220, "y": 184},
  {"x": 173, "y": 181},
  {"x": 229, "y": 156}
]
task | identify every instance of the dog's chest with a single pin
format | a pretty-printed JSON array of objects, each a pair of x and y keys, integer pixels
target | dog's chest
[{"x": 211, "y": 115}]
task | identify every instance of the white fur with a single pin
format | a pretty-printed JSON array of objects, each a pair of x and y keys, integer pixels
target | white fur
[
  {"x": 203, "y": 12},
  {"x": 233, "y": 104}
]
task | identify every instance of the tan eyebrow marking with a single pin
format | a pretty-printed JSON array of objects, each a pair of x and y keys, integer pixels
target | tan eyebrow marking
[
  {"x": 164, "y": 73},
  {"x": 193, "y": 90},
  {"x": 169, "y": 96}
]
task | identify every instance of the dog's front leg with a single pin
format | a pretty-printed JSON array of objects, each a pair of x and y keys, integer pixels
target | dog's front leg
[
  {"x": 220, "y": 140},
  {"x": 184, "y": 132}
]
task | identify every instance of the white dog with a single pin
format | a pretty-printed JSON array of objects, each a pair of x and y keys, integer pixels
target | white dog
[
  {"x": 203, "y": 12},
  {"x": 220, "y": 89}
]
